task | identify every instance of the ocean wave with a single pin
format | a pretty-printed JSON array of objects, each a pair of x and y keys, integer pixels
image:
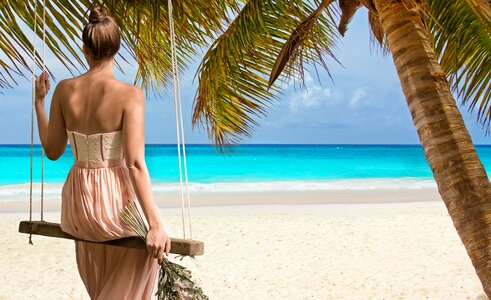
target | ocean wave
[
  {"x": 18, "y": 192},
  {"x": 52, "y": 191},
  {"x": 324, "y": 185}
]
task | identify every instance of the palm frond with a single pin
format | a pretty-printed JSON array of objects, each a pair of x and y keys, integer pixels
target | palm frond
[
  {"x": 482, "y": 11},
  {"x": 144, "y": 26},
  {"x": 377, "y": 34},
  {"x": 233, "y": 75},
  {"x": 462, "y": 39},
  {"x": 484, "y": 7},
  {"x": 348, "y": 10},
  {"x": 296, "y": 41}
]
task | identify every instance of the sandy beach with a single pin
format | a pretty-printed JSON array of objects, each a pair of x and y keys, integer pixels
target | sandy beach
[{"x": 382, "y": 247}]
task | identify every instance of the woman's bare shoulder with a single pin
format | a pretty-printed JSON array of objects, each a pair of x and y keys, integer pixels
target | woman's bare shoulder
[
  {"x": 125, "y": 93},
  {"x": 126, "y": 87},
  {"x": 129, "y": 92},
  {"x": 68, "y": 83},
  {"x": 63, "y": 86}
]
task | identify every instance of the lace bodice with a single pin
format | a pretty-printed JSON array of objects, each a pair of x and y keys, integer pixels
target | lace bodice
[{"x": 97, "y": 146}]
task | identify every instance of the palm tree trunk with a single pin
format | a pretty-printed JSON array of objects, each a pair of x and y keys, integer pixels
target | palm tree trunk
[{"x": 460, "y": 176}]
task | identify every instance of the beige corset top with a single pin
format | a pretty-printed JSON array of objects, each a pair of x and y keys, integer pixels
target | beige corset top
[{"x": 97, "y": 146}]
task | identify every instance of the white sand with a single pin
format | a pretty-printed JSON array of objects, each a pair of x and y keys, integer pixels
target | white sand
[{"x": 404, "y": 250}]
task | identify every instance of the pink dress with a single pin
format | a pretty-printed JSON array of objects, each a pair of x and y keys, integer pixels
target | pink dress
[{"x": 96, "y": 189}]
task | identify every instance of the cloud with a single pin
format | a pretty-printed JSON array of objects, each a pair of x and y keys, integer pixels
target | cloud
[
  {"x": 357, "y": 96},
  {"x": 311, "y": 96}
]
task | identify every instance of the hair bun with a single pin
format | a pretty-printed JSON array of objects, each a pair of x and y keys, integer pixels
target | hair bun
[{"x": 97, "y": 14}]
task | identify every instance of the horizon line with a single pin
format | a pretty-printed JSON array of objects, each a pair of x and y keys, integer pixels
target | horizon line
[{"x": 264, "y": 144}]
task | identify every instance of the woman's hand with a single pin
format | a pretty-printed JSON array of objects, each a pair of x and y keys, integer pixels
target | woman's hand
[
  {"x": 42, "y": 87},
  {"x": 158, "y": 242}
]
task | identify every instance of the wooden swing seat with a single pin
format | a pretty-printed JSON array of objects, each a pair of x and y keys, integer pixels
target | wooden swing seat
[{"x": 185, "y": 247}]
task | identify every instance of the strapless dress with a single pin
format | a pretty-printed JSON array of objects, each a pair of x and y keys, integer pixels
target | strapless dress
[{"x": 97, "y": 187}]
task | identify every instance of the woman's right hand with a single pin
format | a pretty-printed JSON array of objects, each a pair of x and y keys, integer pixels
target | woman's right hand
[
  {"x": 42, "y": 87},
  {"x": 158, "y": 242}
]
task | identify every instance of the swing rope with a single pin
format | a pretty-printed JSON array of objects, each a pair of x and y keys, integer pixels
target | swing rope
[
  {"x": 179, "y": 126},
  {"x": 42, "y": 148},
  {"x": 33, "y": 92},
  {"x": 33, "y": 87}
]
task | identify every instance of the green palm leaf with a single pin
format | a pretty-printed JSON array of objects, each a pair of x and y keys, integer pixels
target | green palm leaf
[
  {"x": 145, "y": 34},
  {"x": 463, "y": 42},
  {"x": 234, "y": 73}
]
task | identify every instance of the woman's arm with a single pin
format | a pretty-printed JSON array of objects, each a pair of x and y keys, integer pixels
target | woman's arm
[
  {"x": 52, "y": 133},
  {"x": 158, "y": 240}
]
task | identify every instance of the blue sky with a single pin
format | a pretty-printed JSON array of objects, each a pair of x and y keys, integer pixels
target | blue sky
[{"x": 364, "y": 105}]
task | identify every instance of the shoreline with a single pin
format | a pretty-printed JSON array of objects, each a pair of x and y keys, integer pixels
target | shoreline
[{"x": 172, "y": 199}]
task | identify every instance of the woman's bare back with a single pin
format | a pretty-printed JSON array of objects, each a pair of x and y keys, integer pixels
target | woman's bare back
[{"x": 93, "y": 104}]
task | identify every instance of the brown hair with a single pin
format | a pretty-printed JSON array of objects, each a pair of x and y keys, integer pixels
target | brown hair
[{"x": 101, "y": 35}]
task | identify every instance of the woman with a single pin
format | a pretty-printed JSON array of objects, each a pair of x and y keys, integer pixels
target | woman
[{"x": 104, "y": 120}]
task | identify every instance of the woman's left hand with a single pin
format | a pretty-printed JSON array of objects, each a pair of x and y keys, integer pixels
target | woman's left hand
[{"x": 42, "y": 87}]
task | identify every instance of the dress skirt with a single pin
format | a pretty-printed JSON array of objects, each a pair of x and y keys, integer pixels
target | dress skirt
[{"x": 92, "y": 197}]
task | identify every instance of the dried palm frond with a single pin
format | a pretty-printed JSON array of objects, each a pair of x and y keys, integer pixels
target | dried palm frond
[
  {"x": 297, "y": 39},
  {"x": 348, "y": 10},
  {"x": 377, "y": 35}
]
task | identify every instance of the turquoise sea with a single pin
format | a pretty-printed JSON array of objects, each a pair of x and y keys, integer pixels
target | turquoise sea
[
  {"x": 250, "y": 163},
  {"x": 265, "y": 166}
]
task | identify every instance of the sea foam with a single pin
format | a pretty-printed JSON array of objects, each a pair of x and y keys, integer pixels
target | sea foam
[{"x": 53, "y": 191}]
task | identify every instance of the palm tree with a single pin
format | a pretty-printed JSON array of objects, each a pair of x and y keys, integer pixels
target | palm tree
[
  {"x": 438, "y": 46},
  {"x": 432, "y": 42}
]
